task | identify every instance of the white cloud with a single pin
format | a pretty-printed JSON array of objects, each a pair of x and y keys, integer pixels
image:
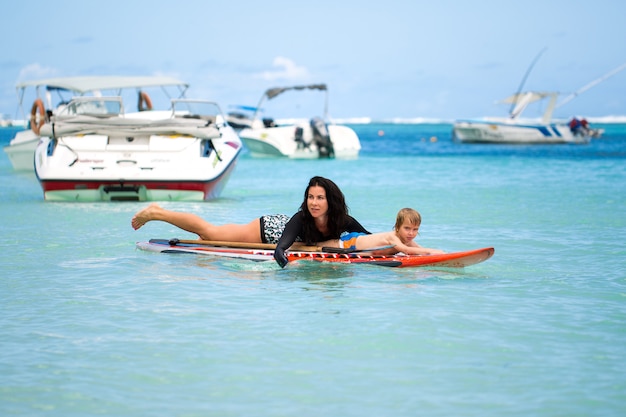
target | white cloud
[
  {"x": 286, "y": 70},
  {"x": 35, "y": 71}
]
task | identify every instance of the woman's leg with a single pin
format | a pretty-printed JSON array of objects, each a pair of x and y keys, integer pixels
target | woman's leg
[{"x": 249, "y": 233}]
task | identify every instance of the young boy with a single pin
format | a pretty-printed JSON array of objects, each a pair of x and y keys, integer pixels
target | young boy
[{"x": 401, "y": 238}]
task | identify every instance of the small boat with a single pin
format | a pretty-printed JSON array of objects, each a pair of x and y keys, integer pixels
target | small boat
[
  {"x": 298, "y": 138},
  {"x": 21, "y": 148},
  {"x": 53, "y": 94},
  {"x": 514, "y": 130},
  {"x": 92, "y": 150},
  {"x": 263, "y": 252},
  {"x": 241, "y": 117},
  {"x": 6, "y": 121}
]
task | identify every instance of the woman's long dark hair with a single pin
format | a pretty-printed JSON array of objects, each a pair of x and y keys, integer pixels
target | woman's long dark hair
[{"x": 337, "y": 211}]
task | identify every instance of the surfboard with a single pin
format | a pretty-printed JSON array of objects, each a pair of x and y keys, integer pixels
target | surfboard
[{"x": 447, "y": 260}]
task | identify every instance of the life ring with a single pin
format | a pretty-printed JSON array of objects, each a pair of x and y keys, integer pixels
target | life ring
[
  {"x": 38, "y": 109},
  {"x": 144, "y": 99}
]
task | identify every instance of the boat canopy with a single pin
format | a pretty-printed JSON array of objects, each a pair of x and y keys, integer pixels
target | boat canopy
[
  {"x": 270, "y": 93},
  {"x": 528, "y": 97},
  {"x": 242, "y": 107},
  {"x": 521, "y": 100},
  {"x": 273, "y": 92},
  {"x": 85, "y": 84}
]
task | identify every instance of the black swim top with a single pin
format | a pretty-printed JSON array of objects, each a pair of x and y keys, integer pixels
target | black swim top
[{"x": 293, "y": 230}]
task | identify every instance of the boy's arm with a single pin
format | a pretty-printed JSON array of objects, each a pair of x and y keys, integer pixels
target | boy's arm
[
  {"x": 423, "y": 251},
  {"x": 414, "y": 249}
]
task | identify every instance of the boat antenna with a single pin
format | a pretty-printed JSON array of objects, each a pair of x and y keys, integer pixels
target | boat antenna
[
  {"x": 591, "y": 84},
  {"x": 521, "y": 86}
]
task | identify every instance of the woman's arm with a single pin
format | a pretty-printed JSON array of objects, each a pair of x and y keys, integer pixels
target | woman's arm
[
  {"x": 293, "y": 228},
  {"x": 354, "y": 226}
]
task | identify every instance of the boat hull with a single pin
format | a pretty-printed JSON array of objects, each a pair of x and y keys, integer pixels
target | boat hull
[
  {"x": 106, "y": 190},
  {"x": 90, "y": 168},
  {"x": 514, "y": 133},
  {"x": 282, "y": 142}
]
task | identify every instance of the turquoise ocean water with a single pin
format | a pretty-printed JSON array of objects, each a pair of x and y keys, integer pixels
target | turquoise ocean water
[{"x": 90, "y": 326}]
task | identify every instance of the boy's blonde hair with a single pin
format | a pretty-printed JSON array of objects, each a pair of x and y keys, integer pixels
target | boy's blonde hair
[{"x": 409, "y": 214}]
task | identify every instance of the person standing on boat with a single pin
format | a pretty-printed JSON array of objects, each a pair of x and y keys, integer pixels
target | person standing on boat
[
  {"x": 575, "y": 126},
  {"x": 325, "y": 218},
  {"x": 584, "y": 126}
]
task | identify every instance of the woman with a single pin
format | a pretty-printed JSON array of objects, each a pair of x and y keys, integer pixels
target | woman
[{"x": 322, "y": 216}]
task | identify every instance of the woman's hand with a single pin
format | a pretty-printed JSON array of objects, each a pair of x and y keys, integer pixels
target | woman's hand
[{"x": 280, "y": 258}]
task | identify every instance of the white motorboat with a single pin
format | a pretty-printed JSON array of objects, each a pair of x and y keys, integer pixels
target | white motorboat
[
  {"x": 518, "y": 131},
  {"x": 93, "y": 151},
  {"x": 49, "y": 91},
  {"x": 299, "y": 138}
]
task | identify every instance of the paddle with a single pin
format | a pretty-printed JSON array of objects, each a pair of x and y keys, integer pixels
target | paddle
[
  {"x": 297, "y": 246},
  {"x": 349, "y": 250},
  {"x": 245, "y": 245}
]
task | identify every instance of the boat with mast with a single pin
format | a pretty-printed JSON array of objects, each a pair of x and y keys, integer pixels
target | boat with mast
[{"x": 515, "y": 130}]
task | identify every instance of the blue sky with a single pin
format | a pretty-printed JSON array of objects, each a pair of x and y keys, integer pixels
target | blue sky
[{"x": 393, "y": 59}]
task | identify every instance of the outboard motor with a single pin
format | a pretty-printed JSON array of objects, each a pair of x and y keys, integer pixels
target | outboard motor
[
  {"x": 299, "y": 138},
  {"x": 321, "y": 137}
]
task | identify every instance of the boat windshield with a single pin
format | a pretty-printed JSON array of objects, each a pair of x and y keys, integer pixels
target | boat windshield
[
  {"x": 198, "y": 109},
  {"x": 93, "y": 106}
]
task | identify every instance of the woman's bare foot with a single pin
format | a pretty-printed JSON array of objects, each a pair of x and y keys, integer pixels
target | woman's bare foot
[{"x": 143, "y": 216}]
